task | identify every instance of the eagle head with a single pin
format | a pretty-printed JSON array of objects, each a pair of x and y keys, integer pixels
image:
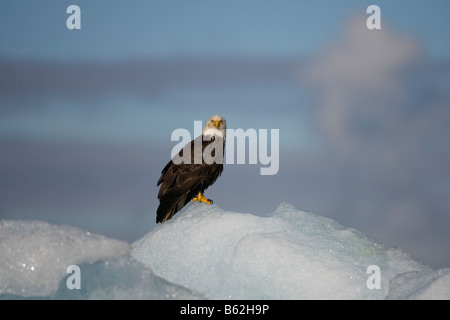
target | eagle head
[{"x": 216, "y": 125}]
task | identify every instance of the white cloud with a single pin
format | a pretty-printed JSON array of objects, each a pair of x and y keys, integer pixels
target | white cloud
[
  {"x": 359, "y": 79},
  {"x": 382, "y": 107}
]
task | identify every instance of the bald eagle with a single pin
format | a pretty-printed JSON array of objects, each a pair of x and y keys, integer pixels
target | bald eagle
[{"x": 192, "y": 170}]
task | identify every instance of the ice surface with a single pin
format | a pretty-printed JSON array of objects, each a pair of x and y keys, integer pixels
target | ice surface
[
  {"x": 34, "y": 257},
  {"x": 122, "y": 279},
  {"x": 290, "y": 254},
  {"x": 426, "y": 285},
  {"x": 207, "y": 252}
]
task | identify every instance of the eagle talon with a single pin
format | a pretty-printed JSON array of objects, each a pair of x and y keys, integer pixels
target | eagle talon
[{"x": 201, "y": 198}]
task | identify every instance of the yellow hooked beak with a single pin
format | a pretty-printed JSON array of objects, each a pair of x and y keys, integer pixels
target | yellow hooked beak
[{"x": 216, "y": 123}]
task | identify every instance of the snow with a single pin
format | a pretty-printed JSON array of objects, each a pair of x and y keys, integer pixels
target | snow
[{"x": 208, "y": 252}]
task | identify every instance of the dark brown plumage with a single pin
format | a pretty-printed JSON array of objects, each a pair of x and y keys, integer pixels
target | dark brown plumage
[{"x": 184, "y": 181}]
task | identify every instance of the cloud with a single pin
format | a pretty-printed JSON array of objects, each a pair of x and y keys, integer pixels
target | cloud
[
  {"x": 359, "y": 81},
  {"x": 381, "y": 107}
]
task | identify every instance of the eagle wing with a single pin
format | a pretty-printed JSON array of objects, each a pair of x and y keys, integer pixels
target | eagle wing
[{"x": 181, "y": 182}]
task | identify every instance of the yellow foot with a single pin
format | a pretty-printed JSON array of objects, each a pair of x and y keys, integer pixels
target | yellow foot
[{"x": 201, "y": 198}]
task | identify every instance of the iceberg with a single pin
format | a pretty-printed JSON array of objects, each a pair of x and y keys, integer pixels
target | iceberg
[
  {"x": 290, "y": 254},
  {"x": 417, "y": 285},
  {"x": 206, "y": 252},
  {"x": 34, "y": 257}
]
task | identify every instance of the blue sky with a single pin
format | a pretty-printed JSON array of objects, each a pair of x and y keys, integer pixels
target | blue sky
[
  {"x": 119, "y": 31},
  {"x": 86, "y": 115},
  {"x": 124, "y": 29}
]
